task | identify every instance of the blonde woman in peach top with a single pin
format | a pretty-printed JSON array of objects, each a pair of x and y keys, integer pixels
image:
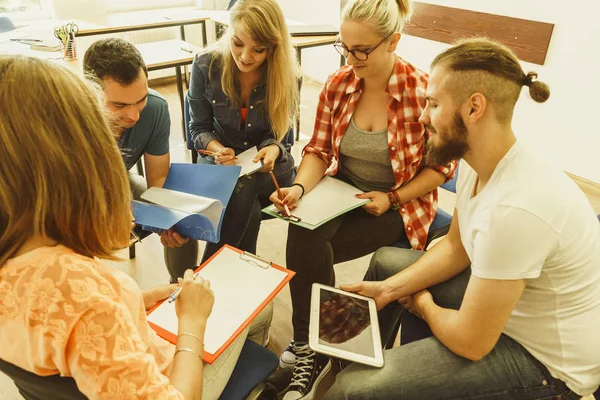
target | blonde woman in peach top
[{"x": 64, "y": 205}]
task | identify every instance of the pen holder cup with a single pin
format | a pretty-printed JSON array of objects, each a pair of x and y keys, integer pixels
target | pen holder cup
[{"x": 69, "y": 49}]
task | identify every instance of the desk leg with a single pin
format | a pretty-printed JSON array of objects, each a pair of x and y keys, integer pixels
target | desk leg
[
  {"x": 204, "y": 39},
  {"x": 180, "y": 92},
  {"x": 342, "y": 61},
  {"x": 299, "y": 57},
  {"x": 185, "y": 71}
]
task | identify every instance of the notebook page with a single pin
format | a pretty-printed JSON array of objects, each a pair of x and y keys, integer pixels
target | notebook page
[
  {"x": 185, "y": 202},
  {"x": 244, "y": 160}
]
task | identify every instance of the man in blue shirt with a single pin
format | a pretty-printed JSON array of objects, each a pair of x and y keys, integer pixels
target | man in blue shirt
[{"x": 139, "y": 115}]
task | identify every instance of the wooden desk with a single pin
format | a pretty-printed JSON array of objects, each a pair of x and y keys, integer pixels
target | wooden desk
[
  {"x": 142, "y": 20},
  {"x": 170, "y": 54}
]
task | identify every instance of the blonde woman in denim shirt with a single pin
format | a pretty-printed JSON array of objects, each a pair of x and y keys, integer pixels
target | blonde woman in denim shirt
[{"x": 243, "y": 94}]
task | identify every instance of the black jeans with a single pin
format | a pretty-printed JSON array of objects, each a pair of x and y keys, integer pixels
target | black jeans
[{"x": 312, "y": 254}]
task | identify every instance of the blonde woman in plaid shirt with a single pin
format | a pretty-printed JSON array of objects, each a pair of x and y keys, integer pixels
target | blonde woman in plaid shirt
[{"x": 367, "y": 132}]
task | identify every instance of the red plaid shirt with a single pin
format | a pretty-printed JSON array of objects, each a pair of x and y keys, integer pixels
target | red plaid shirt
[{"x": 406, "y": 136}]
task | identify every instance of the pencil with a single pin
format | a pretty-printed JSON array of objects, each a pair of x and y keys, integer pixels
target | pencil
[
  {"x": 208, "y": 153},
  {"x": 212, "y": 153},
  {"x": 26, "y": 40},
  {"x": 279, "y": 193}
]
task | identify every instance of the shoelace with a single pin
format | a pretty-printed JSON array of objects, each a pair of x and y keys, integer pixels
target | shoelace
[{"x": 303, "y": 366}]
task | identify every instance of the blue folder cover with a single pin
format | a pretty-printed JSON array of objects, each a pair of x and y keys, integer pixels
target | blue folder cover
[{"x": 212, "y": 181}]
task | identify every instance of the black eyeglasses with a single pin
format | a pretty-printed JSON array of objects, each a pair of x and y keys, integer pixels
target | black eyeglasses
[{"x": 360, "y": 55}]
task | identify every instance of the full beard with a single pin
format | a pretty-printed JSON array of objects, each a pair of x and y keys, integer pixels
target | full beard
[{"x": 453, "y": 144}]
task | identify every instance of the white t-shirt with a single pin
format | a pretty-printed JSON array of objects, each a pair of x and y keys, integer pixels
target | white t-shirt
[{"x": 532, "y": 222}]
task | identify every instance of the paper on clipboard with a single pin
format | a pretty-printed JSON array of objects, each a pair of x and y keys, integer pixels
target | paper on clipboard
[
  {"x": 242, "y": 288},
  {"x": 329, "y": 198}
]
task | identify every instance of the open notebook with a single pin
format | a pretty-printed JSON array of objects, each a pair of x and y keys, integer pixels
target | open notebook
[
  {"x": 192, "y": 201},
  {"x": 330, "y": 198},
  {"x": 244, "y": 160},
  {"x": 243, "y": 285}
]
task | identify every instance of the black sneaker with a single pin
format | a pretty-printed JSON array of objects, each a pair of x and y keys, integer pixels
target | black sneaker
[{"x": 309, "y": 370}]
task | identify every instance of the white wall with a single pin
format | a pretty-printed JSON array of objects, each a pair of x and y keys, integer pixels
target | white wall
[
  {"x": 320, "y": 61},
  {"x": 565, "y": 128}
]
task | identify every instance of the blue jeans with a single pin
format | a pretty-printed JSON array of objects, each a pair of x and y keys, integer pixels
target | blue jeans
[
  {"x": 426, "y": 369},
  {"x": 241, "y": 221}
]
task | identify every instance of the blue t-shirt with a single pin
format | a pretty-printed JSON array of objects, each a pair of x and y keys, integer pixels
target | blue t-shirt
[{"x": 150, "y": 134}]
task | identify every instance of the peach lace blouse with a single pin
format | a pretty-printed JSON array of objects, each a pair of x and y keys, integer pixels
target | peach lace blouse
[{"x": 64, "y": 313}]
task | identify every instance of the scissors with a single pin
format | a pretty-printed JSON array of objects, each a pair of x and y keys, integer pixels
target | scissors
[
  {"x": 66, "y": 32},
  {"x": 72, "y": 28}
]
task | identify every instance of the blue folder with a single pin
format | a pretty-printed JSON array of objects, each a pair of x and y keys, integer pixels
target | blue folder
[{"x": 212, "y": 181}]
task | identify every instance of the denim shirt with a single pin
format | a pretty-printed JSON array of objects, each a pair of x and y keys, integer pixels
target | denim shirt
[{"x": 214, "y": 117}]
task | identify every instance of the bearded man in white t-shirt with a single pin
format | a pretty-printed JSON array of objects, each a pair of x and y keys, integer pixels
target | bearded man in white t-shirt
[{"x": 512, "y": 293}]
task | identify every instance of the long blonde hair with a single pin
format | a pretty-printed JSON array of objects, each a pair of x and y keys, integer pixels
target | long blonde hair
[
  {"x": 61, "y": 176},
  {"x": 385, "y": 16},
  {"x": 263, "y": 20}
]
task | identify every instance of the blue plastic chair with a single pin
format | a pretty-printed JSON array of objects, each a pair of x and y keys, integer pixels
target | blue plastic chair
[
  {"x": 248, "y": 380},
  {"x": 6, "y": 25}
]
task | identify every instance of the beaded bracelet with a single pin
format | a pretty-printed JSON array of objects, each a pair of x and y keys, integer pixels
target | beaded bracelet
[{"x": 394, "y": 200}]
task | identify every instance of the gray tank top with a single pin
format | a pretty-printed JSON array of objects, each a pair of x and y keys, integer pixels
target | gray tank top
[{"x": 365, "y": 159}]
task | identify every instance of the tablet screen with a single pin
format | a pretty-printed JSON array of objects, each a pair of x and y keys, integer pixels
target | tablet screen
[{"x": 345, "y": 323}]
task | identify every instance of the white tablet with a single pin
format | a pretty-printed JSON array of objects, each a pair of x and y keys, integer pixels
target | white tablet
[{"x": 344, "y": 325}]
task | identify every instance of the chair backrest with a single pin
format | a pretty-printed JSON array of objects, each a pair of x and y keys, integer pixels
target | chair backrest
[
  {"x": 35, "y": 387},
  {"x": 231, "y": 4},
  {"x": 186, "y": 120},
  {"x": 6, "y": 24}
]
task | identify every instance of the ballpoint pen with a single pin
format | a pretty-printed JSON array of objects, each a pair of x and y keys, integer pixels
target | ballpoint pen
[
  {"x": 23, "y": 40},
  {"x": 175, "y": 294}
]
